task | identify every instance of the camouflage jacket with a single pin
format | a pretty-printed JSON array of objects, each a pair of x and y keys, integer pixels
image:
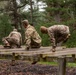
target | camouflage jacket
[
  {"x": 57, "y": 28},
  {"x": 31, "y": 33},
  {"x": 61, "y": 28},
  {"x": 16, "y": 35}
]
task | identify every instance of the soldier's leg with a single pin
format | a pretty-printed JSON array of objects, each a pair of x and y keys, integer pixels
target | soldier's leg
[
  {"x": 62, "y": 39},
  {"x": 66, "y": 38},
  {"x": 16, "y": 42},
  {"x": 35, "y": 45},
  {"x": 59, "y": 38},
  {"x": 12, "y": 42},
  {"x": 5, "y": 42}
]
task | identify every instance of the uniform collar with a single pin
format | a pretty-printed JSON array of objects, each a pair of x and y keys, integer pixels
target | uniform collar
[{"x": 28, "y": 27}]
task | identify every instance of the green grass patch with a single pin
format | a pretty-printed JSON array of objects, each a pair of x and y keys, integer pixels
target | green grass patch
[
  {"x": 71, "y": 64},
  {"x": 48, "y": 63},
  {"x": 56, "y": 64}
]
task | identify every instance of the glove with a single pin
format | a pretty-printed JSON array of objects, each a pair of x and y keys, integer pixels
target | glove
[
  {"x": 27, "y": 48},
  {"x": 53, "y": 49}
]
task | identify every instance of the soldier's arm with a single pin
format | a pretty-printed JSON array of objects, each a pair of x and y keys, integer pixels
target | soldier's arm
[
  {"x": 53, "y": 43},
  {"x": 10, "y": 34},
  {"x": 52, "y": 39},
  {"x": 20, "y": 39}
]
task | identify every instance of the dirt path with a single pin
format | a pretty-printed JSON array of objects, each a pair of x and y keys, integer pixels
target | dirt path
[{"x": 25, "y": 68}]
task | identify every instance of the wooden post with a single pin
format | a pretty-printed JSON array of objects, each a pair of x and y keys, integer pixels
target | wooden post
[
  {"x": 35, "y": 59},
  {"x": 13, "y": 59},
  {"x": 73, "y": 57},
  {"x": 62, "y": 65}
]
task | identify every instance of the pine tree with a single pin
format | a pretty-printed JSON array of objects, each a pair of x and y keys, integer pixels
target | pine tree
[{"x": 62, "y": 12}]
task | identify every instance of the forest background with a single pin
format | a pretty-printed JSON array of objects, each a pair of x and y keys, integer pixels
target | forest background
[{"x": 38, "y": 12}]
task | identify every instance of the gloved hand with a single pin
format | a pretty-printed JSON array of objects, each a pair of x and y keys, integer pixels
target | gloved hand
[
  {"x": 53, "y": 49},
  {"x": 27, "y": 48}
]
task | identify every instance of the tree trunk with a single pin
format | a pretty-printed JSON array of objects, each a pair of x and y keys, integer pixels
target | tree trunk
[{"x": 31, "y": 11}]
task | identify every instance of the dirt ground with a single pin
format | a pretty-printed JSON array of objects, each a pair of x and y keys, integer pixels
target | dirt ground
[{"x": 25, "y": 68}]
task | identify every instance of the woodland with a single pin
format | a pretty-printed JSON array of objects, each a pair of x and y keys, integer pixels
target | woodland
[{"x": 12, "y": 12}]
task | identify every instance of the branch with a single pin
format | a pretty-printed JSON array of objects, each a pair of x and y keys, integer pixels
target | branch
[
  {"x": 4, "y": 0},
  {"x": 21, "y": 6},
  {"x": 1, "y": 9}
]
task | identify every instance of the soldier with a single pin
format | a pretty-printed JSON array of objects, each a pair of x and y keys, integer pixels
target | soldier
[
  {"x": 57, "y": 33},
  {"x": 13, "y": 40},
  {"x": 32, "y": 38}
]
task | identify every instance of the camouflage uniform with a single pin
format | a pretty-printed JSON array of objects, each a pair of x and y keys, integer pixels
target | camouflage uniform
[
  {"x": 58, "y": 33},
  {"x": 14, "y": 39},
  {"x": 32, "y": 38}
]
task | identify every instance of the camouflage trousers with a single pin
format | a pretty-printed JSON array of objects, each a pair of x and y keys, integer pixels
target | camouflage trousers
[
  {"x": 59, "y": 37},
  {"x": 35, "y": 44},
  {"x": 13, "y": 42}
]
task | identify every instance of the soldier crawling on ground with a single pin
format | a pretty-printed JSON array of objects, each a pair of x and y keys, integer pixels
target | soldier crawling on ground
[
  {"x": 13, "y": 40},
  {"x": 57, "y": 33},
  {"x": 32, "y": 38}
]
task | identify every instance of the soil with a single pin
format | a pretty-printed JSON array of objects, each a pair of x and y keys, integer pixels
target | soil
[{"x": 24, "y": 68}]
